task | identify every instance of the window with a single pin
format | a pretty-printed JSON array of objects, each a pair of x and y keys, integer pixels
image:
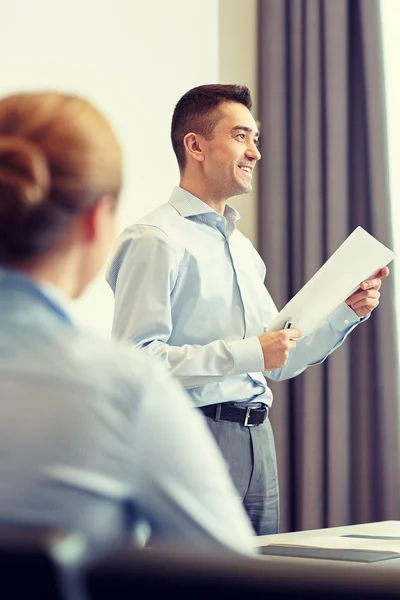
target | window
[{"x": 390, "y": 14}]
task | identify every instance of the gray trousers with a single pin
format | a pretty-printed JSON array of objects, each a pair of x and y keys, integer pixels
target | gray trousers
[{"x": 250, "y": 455}]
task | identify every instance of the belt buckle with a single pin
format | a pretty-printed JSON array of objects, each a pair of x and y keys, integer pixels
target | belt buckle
[{"x": 246, "y": 418}]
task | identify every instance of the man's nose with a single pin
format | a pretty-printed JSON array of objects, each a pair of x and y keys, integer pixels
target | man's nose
[{"x": 253, "y": 152}]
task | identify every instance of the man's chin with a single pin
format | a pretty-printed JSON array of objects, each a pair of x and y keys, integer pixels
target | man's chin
[{"x": 242, "y": 189}]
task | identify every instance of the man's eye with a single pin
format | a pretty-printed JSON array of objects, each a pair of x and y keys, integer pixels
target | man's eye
[{"x": 241, "y": 136}]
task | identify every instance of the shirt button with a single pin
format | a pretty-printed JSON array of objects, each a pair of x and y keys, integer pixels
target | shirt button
[
  {"x": 347, "y": 322},
  {"x": 219, "y": 218}
]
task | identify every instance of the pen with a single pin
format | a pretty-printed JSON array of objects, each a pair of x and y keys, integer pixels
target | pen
[{"x": 288, "y": 324}]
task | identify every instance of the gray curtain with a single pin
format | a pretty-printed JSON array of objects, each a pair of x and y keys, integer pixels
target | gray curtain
[{"x": 324, "y": 172}]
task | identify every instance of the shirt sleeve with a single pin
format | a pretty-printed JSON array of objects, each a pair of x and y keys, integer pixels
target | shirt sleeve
[
  {"x": 143, "y": 275},
  {"x": 313, "y": 349},
  {"x": 183, "y": 484}
]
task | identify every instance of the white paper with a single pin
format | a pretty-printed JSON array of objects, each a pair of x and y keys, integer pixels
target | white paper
[
  {"x": 301, "y": 538},
  {"x": 357, "y": 259},
  {"x": 347, "y": 543}
]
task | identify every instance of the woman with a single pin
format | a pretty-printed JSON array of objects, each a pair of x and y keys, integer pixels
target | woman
[{"x": 87, "y": 429}]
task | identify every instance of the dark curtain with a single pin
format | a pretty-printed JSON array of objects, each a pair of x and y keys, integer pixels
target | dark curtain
[{"x": 324, "y": 172}]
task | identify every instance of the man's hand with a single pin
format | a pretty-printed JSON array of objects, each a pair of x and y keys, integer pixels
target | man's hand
[
  {"x": 276, "y": 346},
  {"x": 366, "y": 298}
]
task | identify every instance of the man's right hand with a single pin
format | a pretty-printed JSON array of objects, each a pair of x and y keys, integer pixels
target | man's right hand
[{"x": 276, "y": 346}]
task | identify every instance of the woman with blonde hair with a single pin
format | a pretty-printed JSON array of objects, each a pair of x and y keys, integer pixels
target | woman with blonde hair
[{"x": 88, "y": 428}]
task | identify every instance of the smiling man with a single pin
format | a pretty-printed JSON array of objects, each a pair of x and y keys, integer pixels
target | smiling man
[{"x": 189, "y": 289}]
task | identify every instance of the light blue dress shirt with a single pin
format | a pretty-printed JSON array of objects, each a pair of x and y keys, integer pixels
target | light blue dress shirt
[
  {"x": 189, "y": 288},
  {"x": 88, "y": 427}
]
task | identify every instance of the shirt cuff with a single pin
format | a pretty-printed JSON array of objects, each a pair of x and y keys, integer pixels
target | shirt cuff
[
  {"x": 344, "y": 318},
  {"x": 247, "y": 356}
]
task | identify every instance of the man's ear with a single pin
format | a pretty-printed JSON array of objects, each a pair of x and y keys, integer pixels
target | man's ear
[{"x": 194, "y": 146}]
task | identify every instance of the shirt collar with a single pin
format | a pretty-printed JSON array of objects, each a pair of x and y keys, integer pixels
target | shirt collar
[
  {"x": 188, "y": 205},
  {"x": 54, "y": 298}
]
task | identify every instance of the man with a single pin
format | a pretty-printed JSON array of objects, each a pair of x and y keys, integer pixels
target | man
[{"x": 189, "y": 289}]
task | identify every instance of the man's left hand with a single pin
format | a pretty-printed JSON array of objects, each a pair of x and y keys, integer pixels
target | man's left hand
[{"x": 366, "y": 298}]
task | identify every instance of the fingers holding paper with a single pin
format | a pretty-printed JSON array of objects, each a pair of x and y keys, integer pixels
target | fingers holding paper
[
  {"x": 366, "y": 298},
  {"x": 276, "y": 346}
]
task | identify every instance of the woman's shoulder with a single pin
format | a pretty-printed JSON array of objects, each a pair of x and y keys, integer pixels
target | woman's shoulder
[{"x": 112, "y": 364}]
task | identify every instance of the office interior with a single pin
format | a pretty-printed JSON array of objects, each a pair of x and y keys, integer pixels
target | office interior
[{"x": 324, "y": 80}]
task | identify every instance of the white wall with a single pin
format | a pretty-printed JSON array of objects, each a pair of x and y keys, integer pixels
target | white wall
[{"x": 133, "y": 59}]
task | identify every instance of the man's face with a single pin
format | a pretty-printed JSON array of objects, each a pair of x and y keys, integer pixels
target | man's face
[{"x": 231, "y": 155}]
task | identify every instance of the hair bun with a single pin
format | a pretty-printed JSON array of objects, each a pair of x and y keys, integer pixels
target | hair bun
[{"x": 24, "y": 175}]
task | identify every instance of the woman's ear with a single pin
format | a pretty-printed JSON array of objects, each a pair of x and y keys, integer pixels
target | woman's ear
[{"x": 98, "y": 218}]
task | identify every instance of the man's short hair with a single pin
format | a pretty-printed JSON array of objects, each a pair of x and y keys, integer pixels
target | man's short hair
[{"x": 197, "y": 112}]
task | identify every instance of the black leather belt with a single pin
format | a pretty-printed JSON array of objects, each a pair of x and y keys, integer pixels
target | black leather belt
[{"x": 248, "y": 415}]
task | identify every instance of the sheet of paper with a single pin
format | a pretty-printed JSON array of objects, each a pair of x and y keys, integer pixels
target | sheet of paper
[
  {"x": 379, "y": 528},
  {"x": 348, "y": 543},
  {"x": 357, "y": 259}
]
